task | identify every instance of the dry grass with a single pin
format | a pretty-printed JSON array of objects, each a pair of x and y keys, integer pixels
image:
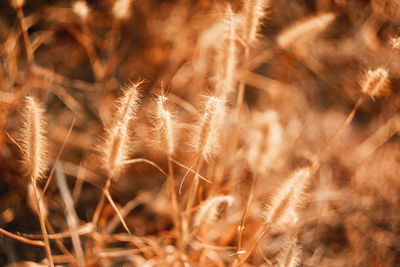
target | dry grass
[{"x": 199, "y": 133}]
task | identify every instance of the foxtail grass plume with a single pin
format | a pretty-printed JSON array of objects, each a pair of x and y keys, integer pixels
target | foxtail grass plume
[
  {"x": 115, "y": 147},
  {"x": 290, "y": 254},
  {"x": 266, "y": 142},
  {"x": 253, "y": 11},
  {"x": 395, "y": 42},
  {"x": 165, "y": 127},
  {"x": 33, "y": 140},
  {"x": 17, "y": 3},
  {"x": 211, "y": 209},
  {"x": 81, "y": 9},
  {"x": 304, "y": 30},
  {"x": 283, "y": 208},
  {"x": 376, "y": 82},
  {"x": 227, "y": 57},
  {"x": 206, "y": 132},
  {"x": 122, "y": 9}
]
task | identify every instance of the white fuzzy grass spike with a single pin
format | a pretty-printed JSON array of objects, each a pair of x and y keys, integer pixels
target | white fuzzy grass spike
[
  {"x": 376, "y": 82},
  {"x": 305, "y": 29},
  {"x": 210, "y": 210},
  {"x": 115, "y": 148},
  {"x": 165, "y": 127},
  {"x": 227, "y": 57},
  {"x": 283, "y": 208},
  {"x": 290, "y": 254},
  {"x": 206, "y": 134},
  {"x": 266, "y": 141},
  {"x": 33, "y": 140},
  {"x": 81, "y": 9},
  {"x": 254, "y": 11},
  {"x": 122, "y": 9}
]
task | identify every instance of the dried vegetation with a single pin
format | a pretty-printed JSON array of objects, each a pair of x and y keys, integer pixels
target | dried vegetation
[{"x": 199, "y": 133}]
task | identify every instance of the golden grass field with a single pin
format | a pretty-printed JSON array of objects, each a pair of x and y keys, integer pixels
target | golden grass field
[{"x": 199, "y": 133}]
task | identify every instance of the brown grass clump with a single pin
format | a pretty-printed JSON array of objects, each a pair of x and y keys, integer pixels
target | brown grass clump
[{"x": 254, "y": 140}]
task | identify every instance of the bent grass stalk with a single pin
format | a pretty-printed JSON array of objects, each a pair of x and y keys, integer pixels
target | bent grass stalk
[{"x": 375, "y": 83}]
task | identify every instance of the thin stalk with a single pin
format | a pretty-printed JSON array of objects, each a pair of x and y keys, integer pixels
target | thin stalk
[
  {"x": 108, "y": 195},
  {"x": 191, "y": 199},
  {"x": 240, "y": 99},
  {"x": 193, "y": 189},
  {"x": 42, "y": 225},
  {"x": 97, "y": 212},
  {"x": 317, "y": 163},
  {"x": 22, "y": 239},
  {"x": 172, "y": 194},
  {"x": 265, "y": 229},
  {"x": 28, "y": 48},
  {"x": 246, "y": 208}
]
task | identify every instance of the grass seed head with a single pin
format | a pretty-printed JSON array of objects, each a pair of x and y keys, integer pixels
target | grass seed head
[
  {"x": 17, "y": 3},
  {"x": 210, "y": 210},
  {"x": 122, "y": 9},
  {"x": 206, "y": 133},
  {"x": 376, "y": 82},
  {"x": 290, "y": 254},
  {"x": 33, "y": 140},
  {"x": 227, "y": 57},
  {"x": 253, "y": 11},
  {"x": 81, "y": 9},
  {"x": 266, "y": 142},
  {"x": 304, "y": 30},
  {"x": 283, "y": 208},
  {"x": 115, "y": 148},
  {"x": 165, "y": 129}
]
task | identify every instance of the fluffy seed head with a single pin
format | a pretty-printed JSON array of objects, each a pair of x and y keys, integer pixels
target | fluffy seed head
[
  {"x": 395, "y": 42},
  {"x": 81, "y": 9},
  {"x": 17, "y": 3},
  {"x": 206, "y": 133},
  {"x": 253, "y": 12},
  {"x": 227, "y": 57},
  {"x": 266, "y": 142},
  {"x": 122, "y": 9},
  {"x": 304, "y": 30},
  {"x": 164, "y": 127},
  {"x": 376, "y": 82},
  {"x": 290, "y": 254},
  {"x": 211, "y": 209},
  {"x": 283, "y": 208},
  {"x": 33, "y": 141},
  {"x": 115, "y": 147}
]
